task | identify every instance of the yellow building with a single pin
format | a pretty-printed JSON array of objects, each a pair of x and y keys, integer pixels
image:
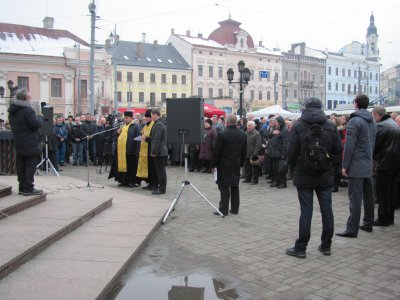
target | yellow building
[{"x": 145, "y": 75}]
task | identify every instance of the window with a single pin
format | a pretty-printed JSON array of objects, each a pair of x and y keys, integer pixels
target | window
[
  {"x": 56, "y": 87},
  {"x": 370, "y": 89},
  {"x": 343, "y": 72},
  {"x": 252, "y": 95},
  {"x": 23, "y": 83},
  {"x": 286, "y": 75},
  {"x": 376, "y": 90},
  {"x": 321, "y": 80},
  {"x": 260, "y": 95},
  {"x": 349, "y": 89},
  {"x": 129, "y": 96},
  {"x": 221, "y": 72},
  {"x": 174, "y": 79},
  {"x": 200, "y": 70},
  {"x": 370, "y": 75},
  {"x": 295, "y": 76},
  {"x": 141, "y": 77},
  {"x": 152, "y": 99},
  {"x": 349, "y": 73},
  {"x": 337, "y": 71},
  {"x": 276, "y": 77},
  {"x": 119, "y": 76},
  {"x": 210, "y": 71},
  {"x": 286, "y": 93},
  {"x": 355, "y": 73},
  {"x": 241, "y": 43},
  {"x": 355, "y": 89},
  {"x": 329, "y": 86},
  {"x": 343, "y": 87},
  {"x": 200, "y": 92},
  {"x": 376, "y": 76},
  {"x": 329, "y": 71},
  {"x": 336, "y": 86},
  {"x": 183, "y": 79},
  {"x": 163, "y": 78},
  {"x": 152, "y": 77},
  {"x": 268, "y": 95},
  {"x": 141, "y": 97},
  {"x": 129, "y": 76},
  {"x": 163, "y": 98},
  {"x": 84, "y": 88},
  {"x": 183, "y": 95},
  {"x": 173, "y": 95},
  {"x": 220, "y": 93},
  {"x": 119, "y": 96},
  {"x": 295, "y": 94},
  {"x": 210, "y": 92}
]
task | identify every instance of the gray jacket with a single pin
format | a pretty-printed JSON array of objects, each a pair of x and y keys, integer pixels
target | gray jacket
[
  {"x": 359, "y": 146},
  {"x": 159, "y": 139},
  {"x": 253, "y": 143}
]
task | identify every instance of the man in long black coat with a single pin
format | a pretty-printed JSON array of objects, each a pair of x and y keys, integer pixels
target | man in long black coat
[
  {"x": 25, "y": 127},
  {"x": 228, "y": 156}
]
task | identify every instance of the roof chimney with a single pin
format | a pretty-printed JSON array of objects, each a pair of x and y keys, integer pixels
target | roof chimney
[
  {"x": 139, "y": 50},
  {"x": 200, "y": 35},
  {"x": 155, "y": 44},
  {"x": 187, "y": 32},
  {"x": 108, "y": 43},
  {"x": 144, "y": 37},
  {"x": 260, "y": 43},
  {"x": 172, "y": 31},
  {"x": 48, "y": 23},
  {"x": 116, "y": 38}
]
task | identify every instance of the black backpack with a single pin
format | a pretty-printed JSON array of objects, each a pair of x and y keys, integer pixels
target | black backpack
[{"x": 314, "y": 153}]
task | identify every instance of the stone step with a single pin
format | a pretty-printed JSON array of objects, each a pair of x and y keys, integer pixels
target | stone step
[
  {"x": 15, "y": 203},
  {"x": 5, "y": 191},
  {"x": 26, "y": 234}
]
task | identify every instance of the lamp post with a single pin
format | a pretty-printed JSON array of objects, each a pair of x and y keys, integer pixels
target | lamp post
[
  {"x": 13, "y": 89},
  {"x": 244, "y": 79}
]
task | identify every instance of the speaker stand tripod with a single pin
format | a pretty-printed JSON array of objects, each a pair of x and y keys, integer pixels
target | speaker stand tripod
[
  {"x": 47, "y": 161},
  {"x": 185, "y": 183}
]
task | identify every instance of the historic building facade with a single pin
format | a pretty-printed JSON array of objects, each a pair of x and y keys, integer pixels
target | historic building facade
[
  {"x": 211, "y": 57},
  {"x": 146, "y": 74}
]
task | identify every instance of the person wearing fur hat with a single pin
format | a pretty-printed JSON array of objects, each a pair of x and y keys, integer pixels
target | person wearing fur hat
[
  {"x": 145, "y": 169},
  {"x": 125, "y": 162},
  {"x": 25, "y": 126}
]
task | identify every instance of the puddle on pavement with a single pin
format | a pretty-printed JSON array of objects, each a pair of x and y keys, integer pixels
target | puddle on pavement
[{"x": 186, "y": 287}]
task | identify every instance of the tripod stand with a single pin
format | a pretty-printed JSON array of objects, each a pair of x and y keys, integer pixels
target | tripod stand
[
  {"x": 47, "y": 160},
  {"x": 185, "y": 183}
]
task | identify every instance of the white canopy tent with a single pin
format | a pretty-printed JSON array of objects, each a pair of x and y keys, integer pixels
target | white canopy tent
[{"x": 274, "y": 109}]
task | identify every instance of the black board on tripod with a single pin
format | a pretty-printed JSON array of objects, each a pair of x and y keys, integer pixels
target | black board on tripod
[
  {"x": 48, "y": 115},
  {"x": 185, "y": 116}
]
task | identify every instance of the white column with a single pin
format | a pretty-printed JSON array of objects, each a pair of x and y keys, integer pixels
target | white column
[
  {"x": 44, "y": 88},
  {"x": 69, "y": 95}
]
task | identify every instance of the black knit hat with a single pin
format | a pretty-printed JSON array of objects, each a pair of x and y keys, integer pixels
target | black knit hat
[
  {"x": 313, "y": 102},
  {"x": 209, "y": 121},
  {"x": 147, "y": 114},
  {"x": 128, "y": 114}
]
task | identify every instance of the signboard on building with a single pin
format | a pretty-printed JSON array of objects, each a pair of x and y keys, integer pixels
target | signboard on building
[{"x": 264, "y": 74}]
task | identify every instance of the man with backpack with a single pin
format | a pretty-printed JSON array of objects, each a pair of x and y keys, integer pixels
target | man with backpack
[
  {"x": 357, "y": 167},
  {"x": 312, "y": 143}
]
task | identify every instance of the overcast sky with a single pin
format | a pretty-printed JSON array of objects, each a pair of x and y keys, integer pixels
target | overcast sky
[{"x": 321, "y": 24}]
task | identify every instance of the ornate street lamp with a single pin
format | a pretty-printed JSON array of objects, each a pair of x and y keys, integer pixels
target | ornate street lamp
[{"x": 244, "y": 80}]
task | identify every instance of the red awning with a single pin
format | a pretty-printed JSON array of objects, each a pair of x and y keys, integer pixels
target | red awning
[
  {"x": 210, "y": 110},
  {"x": 138, "y": 110}
]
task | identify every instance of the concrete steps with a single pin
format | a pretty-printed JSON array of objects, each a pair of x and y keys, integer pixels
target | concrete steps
[
  {"x": 85, "y": 263},
  {"x": 27, "y": 233},
  {"x": 5, "y": 191}
]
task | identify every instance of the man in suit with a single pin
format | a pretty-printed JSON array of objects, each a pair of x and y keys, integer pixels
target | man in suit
[{"x": 228, "y": 156}]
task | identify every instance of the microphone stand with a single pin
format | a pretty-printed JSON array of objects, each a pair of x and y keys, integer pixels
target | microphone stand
[{"x": 87, "y": 156}]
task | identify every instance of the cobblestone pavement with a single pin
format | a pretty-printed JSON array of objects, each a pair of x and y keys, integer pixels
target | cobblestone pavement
[{"x": 244, "y": 255}]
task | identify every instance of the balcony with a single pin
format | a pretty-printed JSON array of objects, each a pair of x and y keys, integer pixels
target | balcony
[{"x": 306, "y": 84}]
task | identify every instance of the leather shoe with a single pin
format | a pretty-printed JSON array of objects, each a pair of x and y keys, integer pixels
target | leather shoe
[
  {"x": 270, "y": 181},
  {"x": 147, "y": 187},
  {"x": 282, "y": 186},
  {"x": 274, "y": 184},
  {"x": 366, "y": 228},
  {"x": 381, "y": 224},
  {"x": 233, "y": 213},
  {"x": 324, "y": 251},
  {"x": 296, "y": 253},
  {"x": 346, "y": 234},
  {"x": 158, "y": 192},
  {"x": 217, "y": 214},
  {"x": 246, "y": 181},
  {"x": 133, "y": 185}
]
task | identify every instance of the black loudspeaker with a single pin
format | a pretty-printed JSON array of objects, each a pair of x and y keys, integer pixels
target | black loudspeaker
[
  {"x": 48, "y": 115},
  {"x": 185, "y": 116}
]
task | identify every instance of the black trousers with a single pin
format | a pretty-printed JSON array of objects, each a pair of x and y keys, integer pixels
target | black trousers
[
  {"x": 276, "y": 175},
  {"x": 251, "y": 172},
  {"x": 161, "y": 174},
  {"x": 232, "y": 193},
  {"x": 26, "y": 167},
  {"x": 386, "y": 190}
]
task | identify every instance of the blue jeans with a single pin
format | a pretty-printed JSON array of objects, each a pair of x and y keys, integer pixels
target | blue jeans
[
  {"x": 60, "y": 154},
  {"x": 324, "y": 195},
  {"x": 77, "y": 149}
]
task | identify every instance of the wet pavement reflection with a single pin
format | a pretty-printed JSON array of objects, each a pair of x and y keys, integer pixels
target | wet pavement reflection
[{"x": 150, "y": 285}]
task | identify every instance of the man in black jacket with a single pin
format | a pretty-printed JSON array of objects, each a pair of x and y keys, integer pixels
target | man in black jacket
[
  {"x": 387, "y": 159},
  {"x": 229, "y": 155},
  {"x": 25, "y": 127},
  {"x": 307, "y": 181}
]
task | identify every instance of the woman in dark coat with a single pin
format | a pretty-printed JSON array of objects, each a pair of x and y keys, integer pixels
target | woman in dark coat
[{"x": 207, "y": 147}]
